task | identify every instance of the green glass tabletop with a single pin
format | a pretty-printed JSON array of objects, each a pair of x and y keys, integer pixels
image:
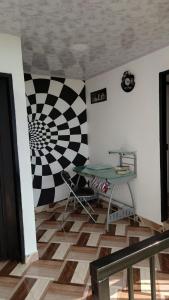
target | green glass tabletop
[{"x": 106, "y": 172}]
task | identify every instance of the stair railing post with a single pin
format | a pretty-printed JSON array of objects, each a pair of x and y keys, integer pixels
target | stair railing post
[
  {"x": 101, "y": 290},
  {"x": 130, "y": 283},
  {"x": 152, "y": 277}
]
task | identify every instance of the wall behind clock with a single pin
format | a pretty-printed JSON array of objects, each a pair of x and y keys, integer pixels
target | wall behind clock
[{"x": 57, "y": 122}]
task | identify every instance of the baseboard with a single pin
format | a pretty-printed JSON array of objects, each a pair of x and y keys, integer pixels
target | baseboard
[
  {"x": 31, "y": 258},
  {"x": 151, "y": 224},
  {"x": 166, "y": 225},
  {"x": 42, "y": 208},
  {"x": 50, "y": 207}
]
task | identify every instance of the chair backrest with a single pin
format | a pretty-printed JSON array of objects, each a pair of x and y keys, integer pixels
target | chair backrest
[{"x": 66, "y": 177}]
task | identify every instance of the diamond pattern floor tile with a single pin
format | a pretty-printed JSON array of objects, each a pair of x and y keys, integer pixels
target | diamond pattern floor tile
[{"x": 66, "y": 249}]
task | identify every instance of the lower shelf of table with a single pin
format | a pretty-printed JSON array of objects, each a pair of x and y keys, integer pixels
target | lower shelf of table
[{"x": 121, "y": 214}]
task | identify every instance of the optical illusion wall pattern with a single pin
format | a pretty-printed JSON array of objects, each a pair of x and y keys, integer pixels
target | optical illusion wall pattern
[{"x": 57, "y": 123}]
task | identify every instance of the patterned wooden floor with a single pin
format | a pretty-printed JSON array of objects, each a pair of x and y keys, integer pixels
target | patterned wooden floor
[{"x": 62, "y": 273}]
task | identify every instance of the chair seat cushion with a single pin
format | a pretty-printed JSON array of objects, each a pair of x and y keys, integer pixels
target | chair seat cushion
[{"x": 85, "y": 191}]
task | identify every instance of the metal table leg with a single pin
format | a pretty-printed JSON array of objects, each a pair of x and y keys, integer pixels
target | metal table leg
[
  {"x": 108, "y": 211},
  {"x": 132, "y": 198}
]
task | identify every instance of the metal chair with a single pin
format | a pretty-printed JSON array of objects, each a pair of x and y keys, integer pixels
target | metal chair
[{"x": 80, "y": 194}]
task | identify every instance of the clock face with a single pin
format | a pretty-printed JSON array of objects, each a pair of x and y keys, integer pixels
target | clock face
[{"x": 127, "y": 82}]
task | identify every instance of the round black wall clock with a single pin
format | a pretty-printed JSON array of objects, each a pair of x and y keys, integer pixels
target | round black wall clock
[{"x": 127, "y": 82}]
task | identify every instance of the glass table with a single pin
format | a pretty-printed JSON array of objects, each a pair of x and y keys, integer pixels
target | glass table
[{"x": 108, "y": 173}]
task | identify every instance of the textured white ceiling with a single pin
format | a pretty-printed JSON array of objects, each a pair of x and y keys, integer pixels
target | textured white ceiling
[{"x": 116, "y": 31}]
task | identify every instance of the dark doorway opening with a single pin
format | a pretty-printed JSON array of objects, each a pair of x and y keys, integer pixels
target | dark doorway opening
[
  {"x": 164, "y": 142},
  {"x": 11, "y": 222}
]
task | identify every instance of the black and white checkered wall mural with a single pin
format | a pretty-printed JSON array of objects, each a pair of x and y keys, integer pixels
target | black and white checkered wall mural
[{"x": 57, "y": 125}]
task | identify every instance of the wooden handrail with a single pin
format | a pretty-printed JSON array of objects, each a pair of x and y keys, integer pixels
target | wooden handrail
[{"x": 102, "y": 268}]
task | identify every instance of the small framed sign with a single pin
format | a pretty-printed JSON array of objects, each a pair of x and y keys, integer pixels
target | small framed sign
[{"x": 99, "y": 96}]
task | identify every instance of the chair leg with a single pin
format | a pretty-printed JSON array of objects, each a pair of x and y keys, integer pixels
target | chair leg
[
  {"x": 87, "y": 211},
  {"x": 78, "y": 200},
  {"x": 67, "y": 203},
  {"x": 68, "y": 200},
  {"x": 89, "y": 205},
  {"x": 74, "y": 203}
]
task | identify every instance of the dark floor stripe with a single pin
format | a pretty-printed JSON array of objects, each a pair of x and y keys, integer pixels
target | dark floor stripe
[
  {"x": 24, "y": 289},
  {"x": 68, "y": 226},
  {"x": 54, "y": 217},
  {"x": 67, "y": 272},
  {"x": 104, "y": 252},
  {"x": 8, "y": 268},
  {"x": 50, "y": 225},
  {"x": 134, "y": 223},
  {"x": 133, "y": 240},
  {"x": 39, "y": 234},
  {"x": 78, "y": 210},
  {"x": 50, "y": 251},
  {"x": 83, "y": 239},
  {"x": 112, "y": 229},
  {"x": 164, "y": 262}
]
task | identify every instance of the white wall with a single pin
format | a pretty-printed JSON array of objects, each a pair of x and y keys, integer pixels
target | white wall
[
  {"x": 131, "y": 121},
  {"x": 11, "y": 62}
]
